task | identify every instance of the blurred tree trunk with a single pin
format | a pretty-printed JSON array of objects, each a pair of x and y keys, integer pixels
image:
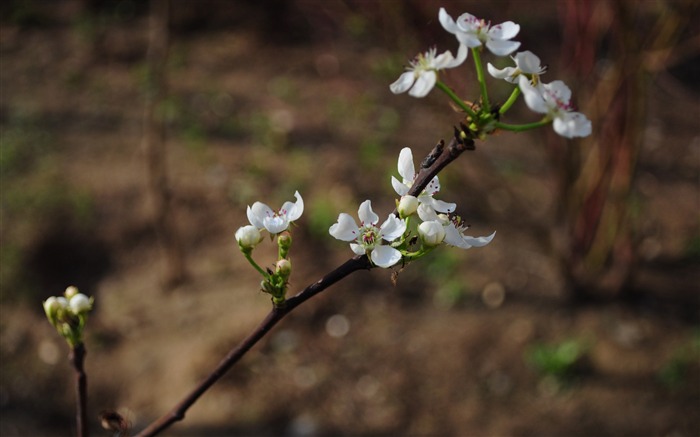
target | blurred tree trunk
[
  {"x": 154, "y": 142},
  {"x": 604, "y": 46}
]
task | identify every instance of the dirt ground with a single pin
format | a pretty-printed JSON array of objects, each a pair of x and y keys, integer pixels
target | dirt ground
[{"x": 264, "y": 102}]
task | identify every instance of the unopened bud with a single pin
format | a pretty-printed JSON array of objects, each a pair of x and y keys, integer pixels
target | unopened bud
[
  {"x": 71, "y": 291},
  {"x": 80, "y": 304},
  {"x": 407, "y": 206},
  {"x": 248, "y": 237},
  {"x": 284, "y": 241},
  {"x": 284, "y": 267},
  {"x": 431, "y": 233}
]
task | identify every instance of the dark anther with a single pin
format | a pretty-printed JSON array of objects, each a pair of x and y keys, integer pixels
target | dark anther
[{"x": 434, "y": 155}]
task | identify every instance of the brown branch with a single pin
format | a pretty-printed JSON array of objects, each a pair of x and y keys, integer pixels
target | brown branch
[
  {"x": 438, "y": 159},
  {"x": 77, "y": 358}
]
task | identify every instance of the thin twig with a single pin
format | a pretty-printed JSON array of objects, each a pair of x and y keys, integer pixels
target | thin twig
[
  {"x": 77, "y": 358},
  {"x": 439, "y": 158}
]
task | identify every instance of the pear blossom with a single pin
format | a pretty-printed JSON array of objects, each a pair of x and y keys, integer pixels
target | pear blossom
[
  {"x": 554, "y": 100},
  {"x": 367, "y": 238},
  {"x": 79, "y": 304},
  {"x": 407, "y": 205},
  {"x": 421, "y": 75},
  {"x": 525, "y": 63},
  {"x": 454, "y": 229},
  {"x": 408, "y": 174},
  {"x": 263, "y": 217},
  {"x": 473, "y": 32}
]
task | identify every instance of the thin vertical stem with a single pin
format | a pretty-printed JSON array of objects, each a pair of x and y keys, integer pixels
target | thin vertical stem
[
  {"x": 77, "y": 358},
  {"x": 476, "y": 52}
]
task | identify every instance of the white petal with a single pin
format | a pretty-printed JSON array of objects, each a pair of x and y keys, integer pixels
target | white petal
[
  {"x": 403, "y": 83},
  {"x": 469, "y": 40},
  {"x": 528, "y": 62},
  {"x": 426, "y": 213},
  {"x": 294, "y": 210},
  {"x": 446, "y": 60},
  {"x": 385, "y": 256},
  {"x": 424, "y": 83},
  {"x": 257, "y": 213},
  {"x": 501, "y": 47},
  {"x": 392, "y": 228},
  {"x": 454, "y": 238},
  {"x": 275, "y": 224},
  {"x": 500, "y": 74},
  {"x": 478, "y": 241},
  {"x": 504, "y": 31},
  {"x": 440, "y": 206},
  {"x": 367, "y": 216},
  {"x": 345, "y": 229},
  {"x": 406, "y": 168},
  {"x": 358, "y": 249},
  {"x": 467, "y": 22},
  {"x": 400, "y": 188},
  {"x": 559, "y": 90},
  {"x": 447, "y": 22},
  {"x": 572, "y": 124},
  {"x": 533, "y": 96}
]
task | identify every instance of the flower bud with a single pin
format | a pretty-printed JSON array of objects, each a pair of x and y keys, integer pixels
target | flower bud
[
  {"x": 431, "y": 233},
  {"x": 80, "y": 304},
  {"x": 248, "y": 237},
  {"x": 284, "y": 242},
  {"x": 284, "y": 268},
  {"x": 407, "y": 205},
  {"x": 71, "y": 291},
  {"x": 52, "y": 307}
]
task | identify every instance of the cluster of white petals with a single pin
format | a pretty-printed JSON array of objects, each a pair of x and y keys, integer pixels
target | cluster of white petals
[
  {"x": 367, "y": 237},
  {"x": 454, "y": 229},
  {"x": 473, "y": 32},
  {"x": 263, "y": 217},
  {"x": 526, "y": 63},
  {"x": 421, "y": 75},
  {"x": 554, "y": 100}
]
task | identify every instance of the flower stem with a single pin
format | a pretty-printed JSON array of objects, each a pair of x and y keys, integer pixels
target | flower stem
[
  {"x": 476, "y": 52},
  {"x": 255, "y": 265},
  {"x": 523, "y": 127},
  {"x": 513, "y": 97},
  {"x": 455, "y": 98},
  {"x": 77, "y": 357}
]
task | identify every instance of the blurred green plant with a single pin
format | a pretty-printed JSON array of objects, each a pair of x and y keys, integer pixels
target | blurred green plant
[
  {"x": 686, "y": 358},
  {"x": 563, "y": 361}
]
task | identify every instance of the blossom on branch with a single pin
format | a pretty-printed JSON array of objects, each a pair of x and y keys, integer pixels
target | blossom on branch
[
  {"x": 473, "y": 32},
  {"x": 367, "y": 238},
  {"x": 421, "y": 75},
  {"x": 554, "y": 100},
  {"x": 408, "y": 174},
  {"x": 263, "y": 217},
  {"x": 526, "y": 63}
]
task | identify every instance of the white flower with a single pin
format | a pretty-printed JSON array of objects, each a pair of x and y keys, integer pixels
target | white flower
[
  {"x": 408, "y": 173},
  {"x": 553, "y": 99},
  {"x": 248, "y": 237},
  {"x": 525, "y": 63},
  {"x": 473, "y": 32},
  {"x": 367, "y": 238},
  {"x": 431, "y": 232},
  {"x": 454, "y": 229},
  {"x": 421, "y": 76},
  {"x": 263, "y": 217},
  {"x": 79, "y": 304}
]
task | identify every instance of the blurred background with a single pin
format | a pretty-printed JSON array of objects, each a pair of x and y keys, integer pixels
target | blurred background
[{"x": 135, "y": 133}]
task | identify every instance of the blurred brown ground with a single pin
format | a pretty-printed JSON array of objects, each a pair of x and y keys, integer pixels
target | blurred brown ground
[{"x": 266, "y": 98}]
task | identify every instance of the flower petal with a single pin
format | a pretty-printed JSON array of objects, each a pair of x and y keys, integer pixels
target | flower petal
[
  {"x": 357, "y": 249},
  {"x": 533, "y": 96},
  {"x": 257, "y": 213},
  {"x": 367, "y": 216},
  {"x": 426, "y": 212},
  {"x": 501, "y": 47},
  {"x": 528, "y": 62},
  {"x": 478, "y": 241},
  {"x": 504, "y": 73},
  {"x": 392, "y": 228},
  {"x": 424, "y": 83},
  {"x": 403, "y": 83},
  {"x": 385, "y": 256},
  {"x": 572, "y": 124},
  {"x": 446, "y": 60},
  {"x": 406, "y": 168},
  {"x": 345, "y": 229},
  {"x": 440, "y": 206},
  {"x": 447, "y": 22},
  {"x": 293, "y": 210},
  {"x": 400, "y": 188},
  {"x": 504, "y": 31},
  {"x": 276, "y": 224}
]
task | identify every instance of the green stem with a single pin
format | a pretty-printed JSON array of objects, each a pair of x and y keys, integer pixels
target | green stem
[
  {"x": 476, "y": 52},
  {"x": 523, "y": 127},
  {"x": 513, "y": 97},
  {"x": 455, "y": 98},
  {"x": 256, "y": 266}
]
